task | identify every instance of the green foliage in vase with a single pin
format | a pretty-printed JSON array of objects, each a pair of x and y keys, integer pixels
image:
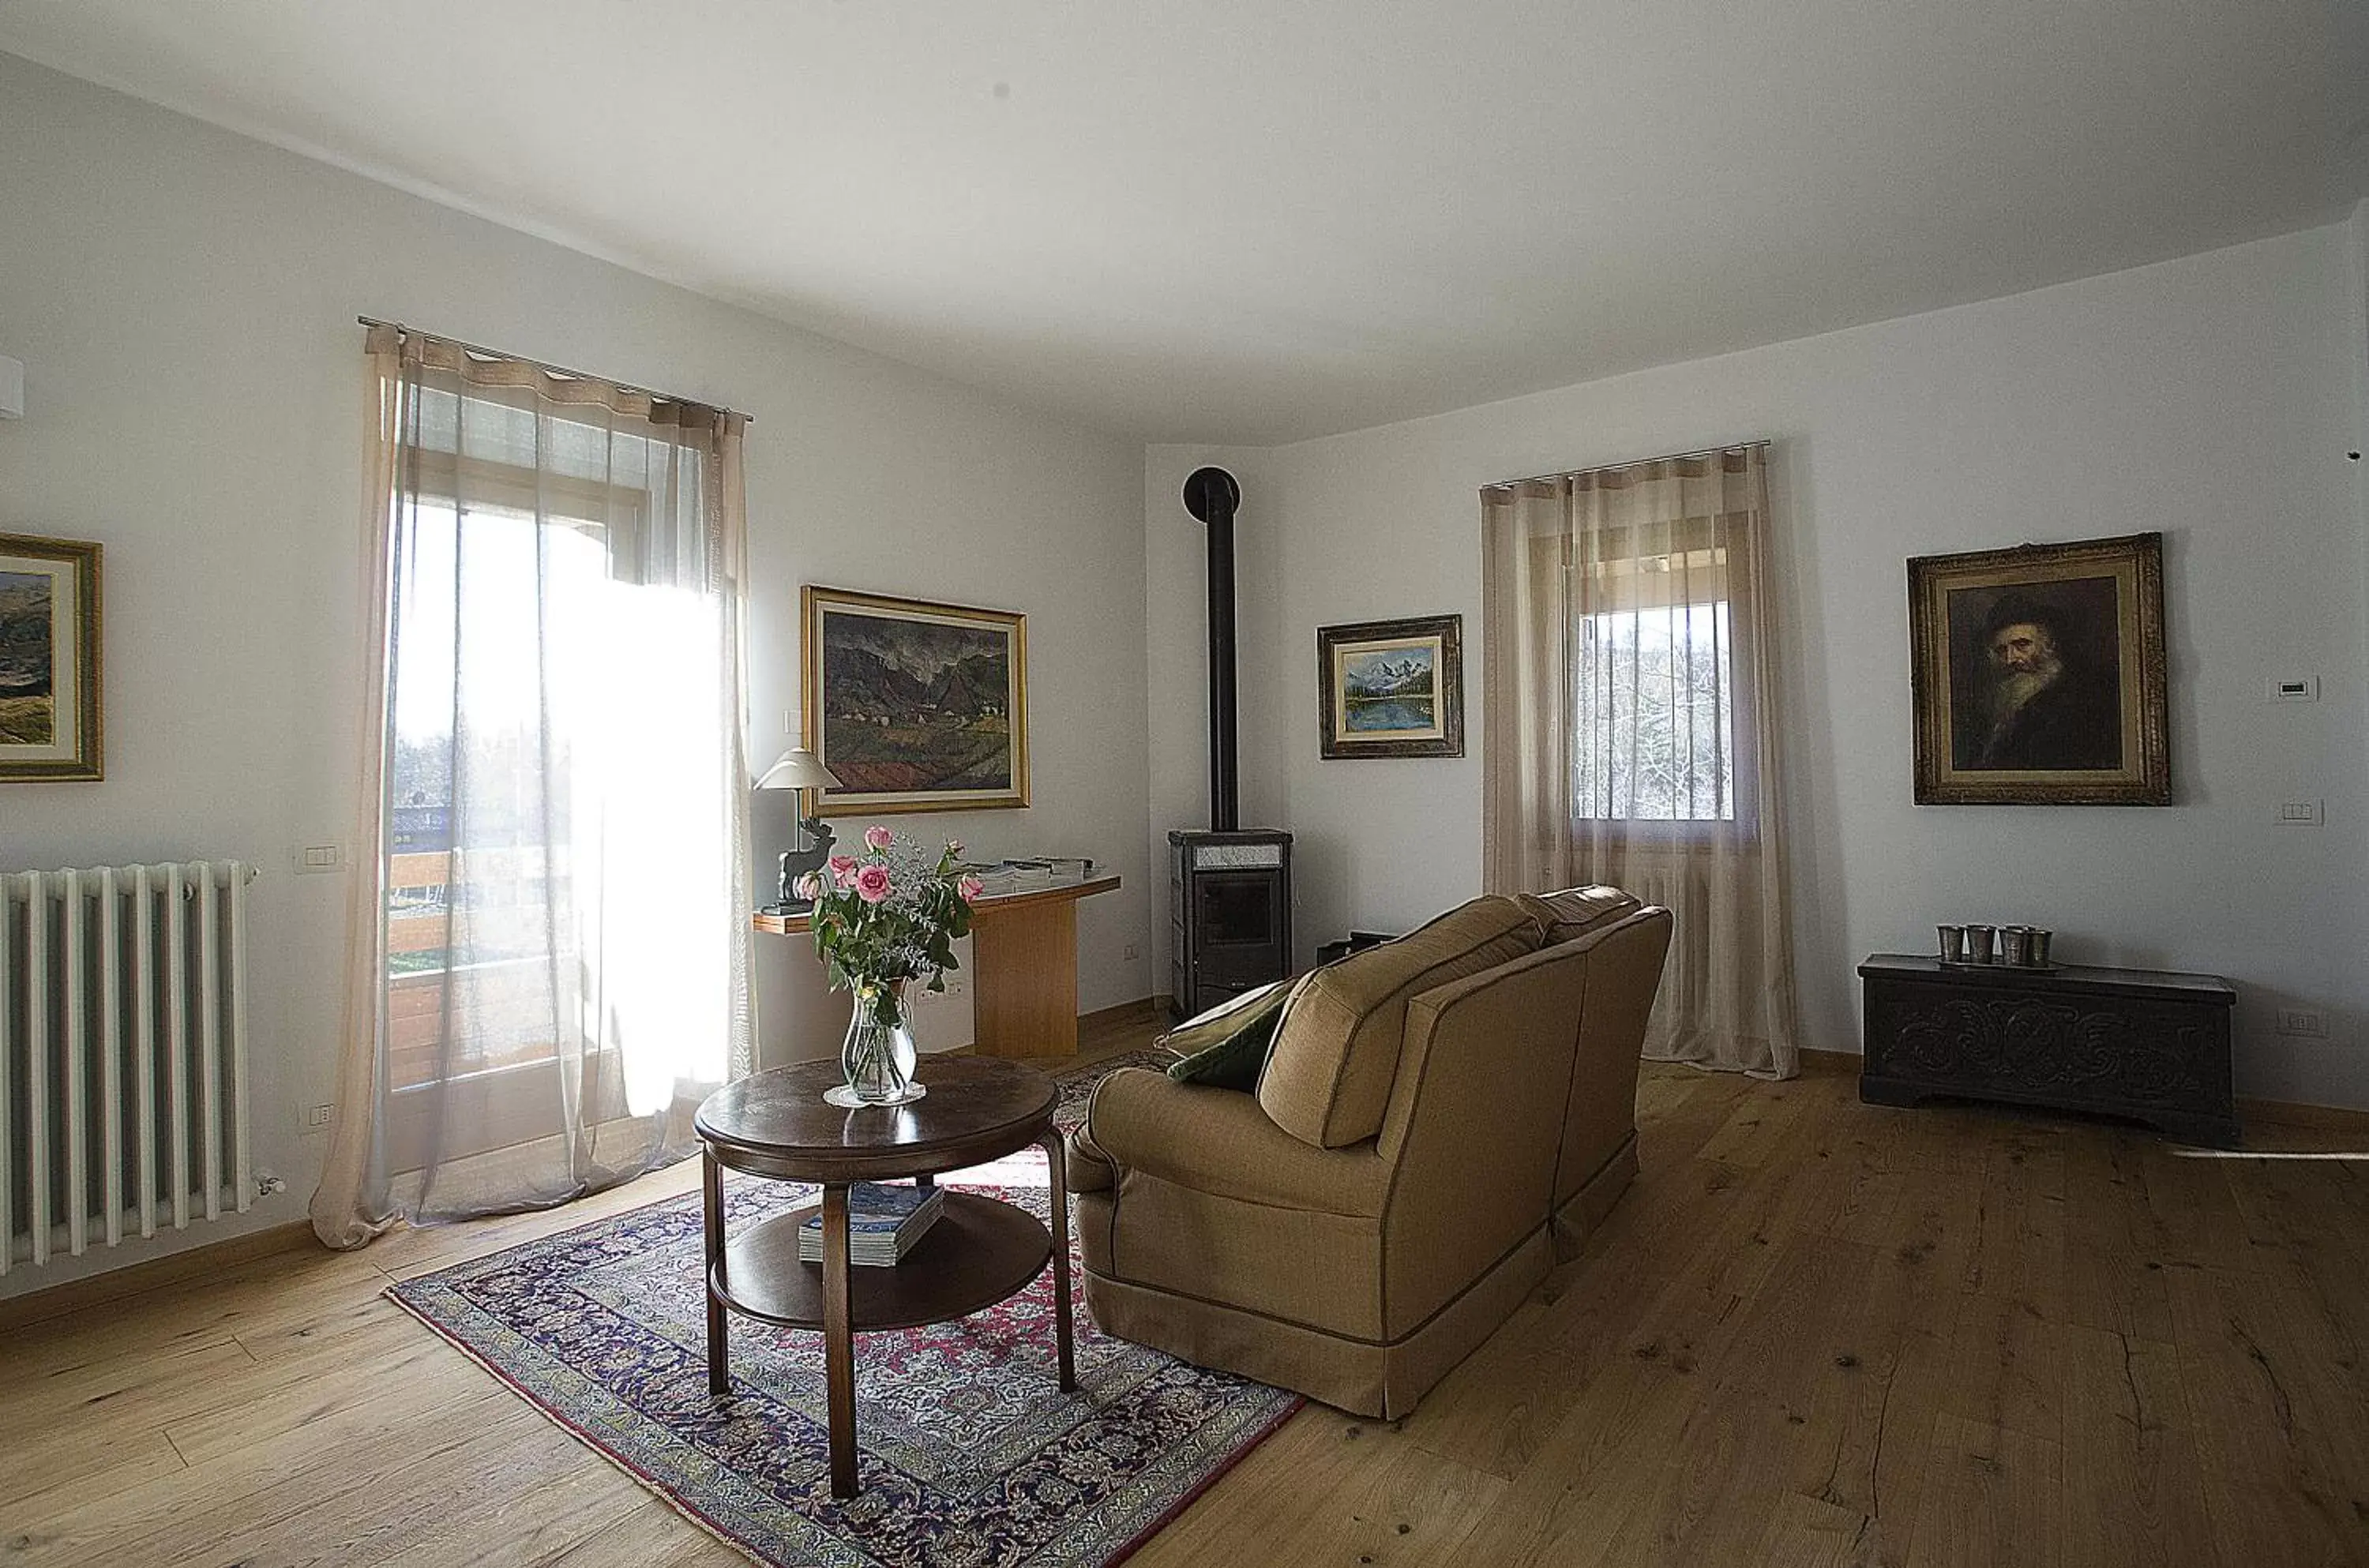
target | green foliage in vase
[{"x": 888, "y": 915}]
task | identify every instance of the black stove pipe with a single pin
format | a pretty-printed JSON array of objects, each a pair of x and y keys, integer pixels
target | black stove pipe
[{"x": 1211, "y": 495}]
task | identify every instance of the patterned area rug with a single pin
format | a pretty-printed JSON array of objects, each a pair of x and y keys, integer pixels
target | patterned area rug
[{"x": 969, "y": 1453}]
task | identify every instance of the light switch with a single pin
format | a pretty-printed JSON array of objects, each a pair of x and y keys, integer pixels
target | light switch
[
  {"x": 2291, "y": 688},
  {"x": 2299, "y": 814},
  {"x": 315, "y": 859}
]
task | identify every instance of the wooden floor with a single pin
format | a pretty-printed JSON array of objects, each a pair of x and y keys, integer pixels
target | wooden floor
[{"x": 1815, "y": 1333}]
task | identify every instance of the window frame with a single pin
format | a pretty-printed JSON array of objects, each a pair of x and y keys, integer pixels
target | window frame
[{"x": 1730, "y": 533}]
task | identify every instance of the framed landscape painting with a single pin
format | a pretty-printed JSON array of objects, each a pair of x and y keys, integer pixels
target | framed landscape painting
[
  {"x": 51, "y": 724},
  {"x": 2038, "y": 675},
  {"x": 1392, "y": 688},
  {"x": 915, "y": 706}
]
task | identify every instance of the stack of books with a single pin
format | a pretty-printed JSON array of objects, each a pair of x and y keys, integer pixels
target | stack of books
[{"x": 883, "y": 1224}]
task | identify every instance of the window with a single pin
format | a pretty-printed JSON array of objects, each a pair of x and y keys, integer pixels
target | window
[
  {"x": 1660, "y": 730},
  {"x": 1656, "y": 710}
]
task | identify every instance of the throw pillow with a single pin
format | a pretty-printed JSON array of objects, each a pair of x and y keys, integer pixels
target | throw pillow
[{"x": 1227, "y": 1046}]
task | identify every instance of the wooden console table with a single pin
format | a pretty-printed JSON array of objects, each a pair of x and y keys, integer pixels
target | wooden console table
[
  {"x": 2142, "y": 1043},
  {"x": 1024, "y": 951}
]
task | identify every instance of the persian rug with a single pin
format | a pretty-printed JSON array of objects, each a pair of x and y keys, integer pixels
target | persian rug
[{"x": 969, "y": 1455}]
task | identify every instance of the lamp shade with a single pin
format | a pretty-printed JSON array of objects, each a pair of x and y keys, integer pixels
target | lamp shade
[{"x": 797, "y": 768}]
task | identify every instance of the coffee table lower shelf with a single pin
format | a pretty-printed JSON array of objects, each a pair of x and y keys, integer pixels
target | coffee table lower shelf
[{"x": 979, "y": 1252}]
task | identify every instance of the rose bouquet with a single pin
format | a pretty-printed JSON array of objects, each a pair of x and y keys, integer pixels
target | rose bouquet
[{"x": 882, "y": 920}]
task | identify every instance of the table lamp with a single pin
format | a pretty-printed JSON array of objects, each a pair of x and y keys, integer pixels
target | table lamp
[{"x": 800, "y": 770}]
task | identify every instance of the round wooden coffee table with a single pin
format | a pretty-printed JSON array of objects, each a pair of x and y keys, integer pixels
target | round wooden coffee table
[{"x": 979, "y": 1252}]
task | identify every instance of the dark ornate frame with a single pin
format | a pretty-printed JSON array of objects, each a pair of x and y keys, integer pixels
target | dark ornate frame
[
  {"x": 2145, "y": 683},
  {"x": 1449, "y": 630}
]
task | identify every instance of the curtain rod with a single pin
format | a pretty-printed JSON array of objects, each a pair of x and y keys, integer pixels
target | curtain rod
[
  {"x": 1633, "y": 462},
  {"x": 549, "y": 369}
]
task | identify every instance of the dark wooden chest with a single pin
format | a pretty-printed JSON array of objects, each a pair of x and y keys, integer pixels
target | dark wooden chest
[{"x": 2142, "y": 1043}]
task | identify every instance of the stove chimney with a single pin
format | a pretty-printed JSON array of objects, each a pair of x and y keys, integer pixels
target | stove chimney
[
  {"x": 1230, "y": 898},
  {"x": 1211, "y": 495}
]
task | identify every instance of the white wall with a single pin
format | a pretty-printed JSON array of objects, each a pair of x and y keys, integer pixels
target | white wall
[
  {"x": 2210, "y": 397},
  {"x": 184, "y": 302}
]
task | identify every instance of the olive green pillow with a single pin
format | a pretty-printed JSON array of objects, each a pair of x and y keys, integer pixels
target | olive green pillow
[{"x": 1227, "y": 1046}]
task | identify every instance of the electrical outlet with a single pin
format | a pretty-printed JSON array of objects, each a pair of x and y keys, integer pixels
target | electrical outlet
[
  {"x": 2291, "y": 688},
  {"x": 1130, "y": 952},
  {"x": 317, "y": 1116},
  {"x": 319, "y": 860},
  {"x": 2303, "y": 1022},
  {"x": 2299, "y": 814}
]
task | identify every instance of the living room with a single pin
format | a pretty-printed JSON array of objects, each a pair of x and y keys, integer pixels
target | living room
[{"x": 990, "y": 291}]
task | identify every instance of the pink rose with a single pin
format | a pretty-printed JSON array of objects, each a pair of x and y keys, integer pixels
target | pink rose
[
  {"x": 879, "y": 838},
  {"x": 954, "y": 846},
  {"x": 872, "y": 884},
  {"x": 842, "y": 869},
  {"x": 970, "y": 887},
  {"x": 810, "y": 886}
]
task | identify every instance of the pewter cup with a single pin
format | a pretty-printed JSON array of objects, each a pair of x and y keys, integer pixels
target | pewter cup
[
  {"x": 2015, "y": 946},
  {"x": 1953, "y": 943},
  {"x": 2039, "y": 939},
  {"x": 1978, "y": 943}
]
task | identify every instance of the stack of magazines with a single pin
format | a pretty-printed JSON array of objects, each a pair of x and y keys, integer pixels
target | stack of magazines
[{"x": 883, "y": 1224}]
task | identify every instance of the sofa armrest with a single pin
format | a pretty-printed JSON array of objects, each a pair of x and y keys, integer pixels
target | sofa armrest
[
  {"x": 1219, "y": 1141},
  {"x": 1087, "y": 1169}
]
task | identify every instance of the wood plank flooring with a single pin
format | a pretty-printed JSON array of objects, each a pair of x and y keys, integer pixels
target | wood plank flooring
[{"x": 1813, "y": 1334}]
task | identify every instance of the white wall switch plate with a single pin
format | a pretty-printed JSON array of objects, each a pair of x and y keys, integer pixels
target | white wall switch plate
[
  {"x": 2303, "y": 1021},
  {"x": 319, "y": 860},
  {"x": 2299, "y": 814},
  {"x": 2291, "y": 688}
]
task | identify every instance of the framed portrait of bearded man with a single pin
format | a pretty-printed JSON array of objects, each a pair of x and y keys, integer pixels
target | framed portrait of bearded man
[{"x": 2038, "y": 675}]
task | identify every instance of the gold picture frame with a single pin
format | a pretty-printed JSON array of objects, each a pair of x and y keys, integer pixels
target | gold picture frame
[
  {"x": 913, "y": 704},
  {"x": 2038, "y": 675},
  {"x": 52, "y": 718}
]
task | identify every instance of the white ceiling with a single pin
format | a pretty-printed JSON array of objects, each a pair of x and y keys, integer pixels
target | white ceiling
[{"x": 1239, "y": 220}]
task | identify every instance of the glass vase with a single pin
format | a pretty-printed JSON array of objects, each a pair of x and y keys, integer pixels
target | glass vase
[{"x": 876, "y": 1059}]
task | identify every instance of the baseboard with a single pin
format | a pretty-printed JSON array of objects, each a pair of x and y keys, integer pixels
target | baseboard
[
  {"x": 1142, "y": 1010},
  {"x": 2282, "y": 1112},
  {"x": 2279, "y": 1112},
  {"x": 139, "y": 1278}
]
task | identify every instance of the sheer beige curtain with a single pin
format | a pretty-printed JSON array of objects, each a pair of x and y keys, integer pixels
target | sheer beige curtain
[
  {"x": 1631, "y": 727},
  {"x": 548, "y": 929}
]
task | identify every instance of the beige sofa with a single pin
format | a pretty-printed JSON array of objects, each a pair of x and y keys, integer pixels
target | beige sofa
[{"x": 1441, "y": 1119}]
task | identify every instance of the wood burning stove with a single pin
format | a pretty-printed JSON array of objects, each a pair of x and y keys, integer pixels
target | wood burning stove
[
  {"x": 1230, "y": 887},
  {"x": 1230, "y": 914}
]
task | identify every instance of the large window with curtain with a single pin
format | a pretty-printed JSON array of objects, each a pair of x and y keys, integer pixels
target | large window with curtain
[
  {"x": 1629, "y": 698},
  {"x": 549, "y": 967}
]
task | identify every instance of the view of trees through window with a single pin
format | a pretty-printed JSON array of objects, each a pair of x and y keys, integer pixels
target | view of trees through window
[{"x": 1654, "y": 715}]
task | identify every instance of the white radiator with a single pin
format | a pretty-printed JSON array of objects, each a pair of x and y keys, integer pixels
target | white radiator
[
  {"x": 123, "y": 1096},
  {"x": 1686, "y": 971}
]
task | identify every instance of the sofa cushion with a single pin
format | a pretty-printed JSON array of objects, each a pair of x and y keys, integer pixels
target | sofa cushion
[
  {"x": 1227, "y": 1046},
  {"x": 1575, "y": 911},
  {"x": 1328, "y": 1077}
]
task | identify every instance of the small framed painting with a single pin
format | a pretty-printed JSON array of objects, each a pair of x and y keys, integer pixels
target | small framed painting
[
  {"x": 915, "y": 706},
  {"x": 2038, "y": 675},
  {"x": 1392, "y": 688},
  {"x": 51, "y": 714}
]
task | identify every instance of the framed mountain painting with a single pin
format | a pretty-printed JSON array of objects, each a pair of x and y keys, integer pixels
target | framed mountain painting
[
  {"x": 915, "y": 706},
  {"x": 1392, "y": 687},
  {"x": 50, "y": 716}
]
